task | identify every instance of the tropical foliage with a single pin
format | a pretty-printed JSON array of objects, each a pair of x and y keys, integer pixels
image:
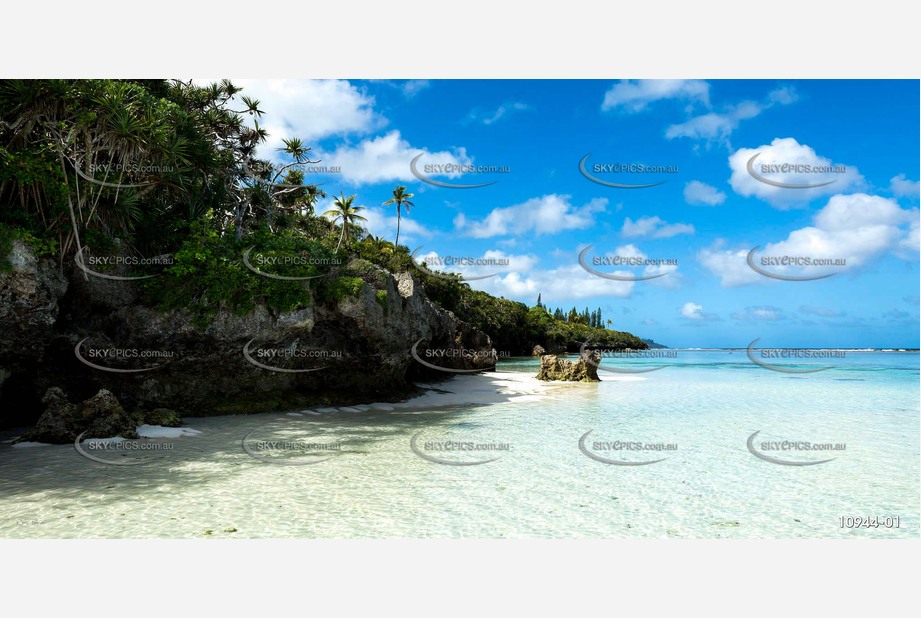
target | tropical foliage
[{"x": 154, "y": 167}]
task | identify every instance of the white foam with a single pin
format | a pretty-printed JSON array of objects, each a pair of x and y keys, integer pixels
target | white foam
[
  {"x": 156, "y": 431},
  {"x": 31, "y": 444}
]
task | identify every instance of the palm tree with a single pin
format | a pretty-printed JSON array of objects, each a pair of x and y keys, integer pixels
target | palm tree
[
  {"x": 400, "y": 198},
  {"x": 382, "y": 246},
  {"x": 344, "y": 212}
]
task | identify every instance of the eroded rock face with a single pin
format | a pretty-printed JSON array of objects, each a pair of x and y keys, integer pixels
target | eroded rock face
[
  {"x": 29, "y": 295},
  {"x": 100, "y": 416},
  {"x": 583, "y": 370},
  {"x": 538, "y": 351},
  {"x": 358, "y": 349}
]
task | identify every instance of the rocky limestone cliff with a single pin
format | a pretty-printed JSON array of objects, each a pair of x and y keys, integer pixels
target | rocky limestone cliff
[{"x": 94, "y": 334}]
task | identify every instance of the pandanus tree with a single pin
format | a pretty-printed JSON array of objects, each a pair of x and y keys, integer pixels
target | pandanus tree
[
  {"x": 345, "y": 213},
  {"x": 401, "y": 199},
  {"x": 132, "y": 159}
]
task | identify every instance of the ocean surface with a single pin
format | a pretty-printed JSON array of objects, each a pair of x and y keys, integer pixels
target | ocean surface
[{"x": 381, "y": 473}]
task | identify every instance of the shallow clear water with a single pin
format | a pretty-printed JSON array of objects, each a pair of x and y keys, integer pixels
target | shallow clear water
[{"x": 372, "y": 484}]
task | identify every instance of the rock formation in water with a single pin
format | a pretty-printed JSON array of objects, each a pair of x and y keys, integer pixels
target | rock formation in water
[{"x": 583, "y": 370}]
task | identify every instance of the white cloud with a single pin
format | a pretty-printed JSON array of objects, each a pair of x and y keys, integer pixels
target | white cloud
[
  {"x": 903, "y": 187},
  {"x": 557, "y": 285},
  {"x": 632, "y": 251},
  {"x": 488, "y": 117},
  {"x": 540, "y": 215},
  {"x": 762, "y": 313},
  {"x": 912, "y": 240},
  {"x": 787, "y": 151},
  {"x": 692, "y": 311},
  {"x": 636, "y": 95},
  {"x": 699, "y": 193},
  {"x": 311, "y": 109},
  {"x": 857, "y": 228},
  {"x": 495, "y": 261},
  {"x": 412, "y": 87},
  {"x": 729, "y": 265},
  {"x": 718, "y": 126},
  {"x": 654, "y": 227},
  {"x": 387, "y": 158}
]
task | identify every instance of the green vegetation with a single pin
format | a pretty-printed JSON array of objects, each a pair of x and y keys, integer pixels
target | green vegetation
[
  {"x": 165, "y": 167},
  {"x": 334, "y": 289},
  {"x": 42, "y": 245}
]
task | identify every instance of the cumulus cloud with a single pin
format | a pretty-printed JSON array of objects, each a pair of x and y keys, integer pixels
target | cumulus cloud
[
  {"x": 788, "y": 151},
  {"x": 636, "y": 95},
  {"x": 856, "y": 228},
  {"x": 654, "y": 227},
  {"x": 718, "y": 126},
  {"x": 547, "y": 214},
  {"x": 699, "y": 193},
  {"x": 557, "y": 285},
  {"x": 692, "y": 311},
  {"x": 387, "y": 158},
  {"x": 490, "y": 262},
  {"x": 311, "y": 109},
  {"x": 903, "y": 187}
]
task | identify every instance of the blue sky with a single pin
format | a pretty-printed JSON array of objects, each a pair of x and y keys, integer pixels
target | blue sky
[{"x": 707, "y": 215}]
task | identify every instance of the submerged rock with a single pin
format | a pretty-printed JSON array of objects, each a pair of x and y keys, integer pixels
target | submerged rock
[
  {"x": 583, "y": 370},
  {"x": 100, "y": 416}
]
